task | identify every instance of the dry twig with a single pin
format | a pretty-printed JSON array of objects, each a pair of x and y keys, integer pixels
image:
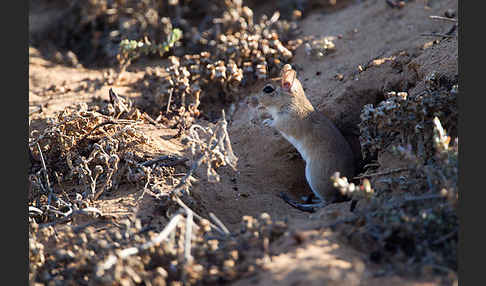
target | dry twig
[
  {"x": 445, "y": 237},
  {"x": 381, "y": 173},
  {"x": 188, "y": 238},
  {"x": 219, "y": 223},
  {"x": 70, "y": 214},
  {"x": 443, "y": 18},
  {"x": 44, "y": 169},
  {"x": 437, "y": 35},
  {"x": 187, "y": 209}
]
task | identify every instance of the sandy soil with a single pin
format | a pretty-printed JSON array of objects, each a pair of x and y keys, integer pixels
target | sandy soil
[{"x": 309, "y": 254}]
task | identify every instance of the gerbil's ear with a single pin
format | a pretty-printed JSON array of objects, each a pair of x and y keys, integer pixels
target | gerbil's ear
[{"x": 288, "y": 76}]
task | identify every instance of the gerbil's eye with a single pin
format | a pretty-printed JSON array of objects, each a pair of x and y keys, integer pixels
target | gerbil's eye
[{"x": 268, "y": 89}]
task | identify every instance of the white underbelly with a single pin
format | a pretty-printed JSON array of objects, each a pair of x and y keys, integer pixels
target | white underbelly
[
  {"x": 300, "y": 147},
  {"x": 311, "y": 184},
  {"x": 297, "y": 144}
]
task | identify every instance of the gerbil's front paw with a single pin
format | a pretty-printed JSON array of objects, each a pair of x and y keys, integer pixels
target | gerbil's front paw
[{"x": 268, "y": 122}]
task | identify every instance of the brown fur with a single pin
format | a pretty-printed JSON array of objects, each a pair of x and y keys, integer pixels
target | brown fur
[{"x": 325, "y": 149}]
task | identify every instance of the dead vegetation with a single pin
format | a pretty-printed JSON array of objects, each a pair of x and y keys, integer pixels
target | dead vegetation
[
  {"x": 410, "y": 213},
  {"x": 190, "y": 249}
]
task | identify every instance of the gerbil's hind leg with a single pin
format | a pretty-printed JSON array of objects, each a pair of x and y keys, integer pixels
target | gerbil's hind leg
[{"x": 309, "y": 207}]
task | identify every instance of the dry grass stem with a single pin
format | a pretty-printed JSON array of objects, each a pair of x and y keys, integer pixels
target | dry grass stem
[
  {"x": 220, "y": 224},
  {"x": 381, "y": 173},
  {"x": 443, "y": 18}
]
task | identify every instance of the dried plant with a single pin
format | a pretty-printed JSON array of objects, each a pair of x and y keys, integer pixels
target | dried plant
[
  {"x": 185, "y": 251},
  {"x": 189, "y": 249},
  {"x": 86, "y": 151},
  {"x": 237, "y": 51},
  {"x": 350, "y": 189},
  {"x": 213, "y": 146},
  {"x": 410, "y": 213},
  {"x": 404, "y": 120},
  {"x": 93, "y": 30}
]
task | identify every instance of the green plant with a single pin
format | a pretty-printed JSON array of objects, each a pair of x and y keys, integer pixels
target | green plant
[{"x": 132, "y": 49}]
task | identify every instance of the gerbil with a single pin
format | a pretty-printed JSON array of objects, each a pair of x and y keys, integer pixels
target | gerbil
[{"x": 315, "y": 137}]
